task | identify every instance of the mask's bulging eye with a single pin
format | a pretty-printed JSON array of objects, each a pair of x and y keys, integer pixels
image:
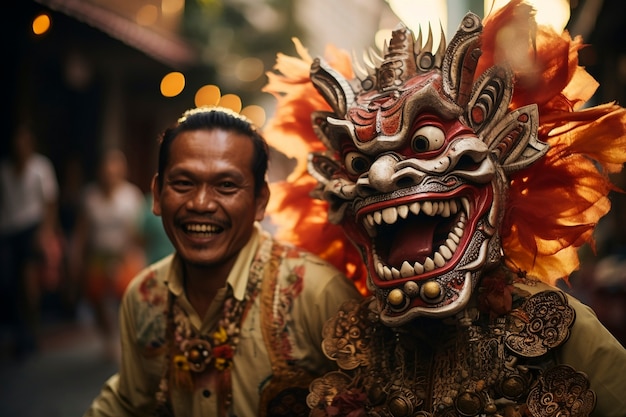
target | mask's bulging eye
[
  {"x": 427, "y": 138},
  {"x": 356, "y": 163}
]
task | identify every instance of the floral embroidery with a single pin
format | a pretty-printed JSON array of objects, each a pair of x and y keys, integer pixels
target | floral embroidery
[{"x": 151, "y": 321}]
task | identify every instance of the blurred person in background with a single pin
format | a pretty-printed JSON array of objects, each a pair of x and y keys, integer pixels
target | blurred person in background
[
  {"x": 106, "y": 250},
  {"x": 28, "y": 236},
  {"x": 153, "y": 238},
  {"x": 72, "y": 184},
  {"x": 231, "y": 324}
]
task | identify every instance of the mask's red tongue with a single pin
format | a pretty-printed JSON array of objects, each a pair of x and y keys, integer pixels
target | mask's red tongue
[{"x": 412, "y": 242}]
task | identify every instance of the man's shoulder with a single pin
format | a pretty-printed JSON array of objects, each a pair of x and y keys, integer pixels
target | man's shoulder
[
  {"x": 151, "y": 282},
  {"x": 295, "y": 255}
]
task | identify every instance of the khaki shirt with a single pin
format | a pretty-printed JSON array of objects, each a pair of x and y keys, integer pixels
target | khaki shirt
[{"x": 309, "y": 303}]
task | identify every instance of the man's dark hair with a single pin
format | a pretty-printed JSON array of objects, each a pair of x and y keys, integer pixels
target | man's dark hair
[{"x": 209, "y": 118}]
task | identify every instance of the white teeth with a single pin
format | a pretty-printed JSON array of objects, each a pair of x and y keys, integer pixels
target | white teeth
[
  {"x": 466, "y": 205},
  {"x": 202, "y": 228},
  {"x": 445, "y": 252},
  {"x": 438, "y": 260},
  {"x": 407, "y": 270},
  {"x": 387, "y": 273},
  {"x": 446, "y": 209},
  {"x": 429, "y": 265},
  {"x": 403, "y": 211},
  {"x": 454, "y": 208},
  {"x": 390, "y": 215},
  {"x": 395, "y": 273},
  {"x": 427, "y": 208},
  {"x": 379, "y": 269}
]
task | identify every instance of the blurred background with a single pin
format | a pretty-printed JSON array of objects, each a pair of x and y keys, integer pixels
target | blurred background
[{"x": 89, "y": 75}]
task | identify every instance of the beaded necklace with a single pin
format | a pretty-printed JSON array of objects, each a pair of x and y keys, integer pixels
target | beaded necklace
[{"x": 191, "y": 354}]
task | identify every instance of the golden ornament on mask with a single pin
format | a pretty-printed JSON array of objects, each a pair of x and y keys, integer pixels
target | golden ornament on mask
[
  {"x": 431, "y": 290},
  {"x": 411, "y": 288},
  {"x": 399, "y": 406},
  {"x": 468, "y": 404},
  {"x": 395, "y": 297},
  {"x": 512, "y": 387}
]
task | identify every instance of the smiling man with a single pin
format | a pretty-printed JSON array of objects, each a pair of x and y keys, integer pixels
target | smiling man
[{"x": 231, "y": 323}]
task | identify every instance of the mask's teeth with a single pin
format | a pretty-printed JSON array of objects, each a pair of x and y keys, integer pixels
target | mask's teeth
[
  {"x": 446, "y": 208},
  {"x": 445, "y": 252},
  {"x": 407, "y": 270},
  {"x": 395, "y": 274},
  {"x": 370, "y": 225},
  {"x": 387, "y": 273},
  {"x": 390, "y": 215},
  {"x": 429, "y": 264},
  {"x": 466, "y": 205},
  {"x": 427, "y": 208},
  {"x": 438, "y": 259},
  {"x": 403, "y": 211},
  {"x": 454, "y": 208}
]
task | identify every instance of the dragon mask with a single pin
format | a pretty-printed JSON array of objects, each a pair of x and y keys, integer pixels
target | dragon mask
[{"x": 432, "y": 162}]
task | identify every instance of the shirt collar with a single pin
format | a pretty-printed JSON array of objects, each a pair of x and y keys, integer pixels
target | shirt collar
[{"x": 238, "y": 276}]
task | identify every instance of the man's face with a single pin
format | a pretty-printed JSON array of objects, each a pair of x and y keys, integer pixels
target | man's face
[{"x": 207, "y": 200}]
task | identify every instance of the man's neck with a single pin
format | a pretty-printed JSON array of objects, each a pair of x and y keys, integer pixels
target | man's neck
[{"x": 202, "y": 284}]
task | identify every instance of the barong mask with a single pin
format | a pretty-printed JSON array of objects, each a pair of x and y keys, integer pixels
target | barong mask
[
  {"x": 428, "y": 169},
  {"x": 416, "y": 167}
]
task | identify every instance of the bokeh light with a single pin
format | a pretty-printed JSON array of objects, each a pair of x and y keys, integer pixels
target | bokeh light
[
  {"x": 172, "y": 6},
  {"x": 147, "y": 15},
  {"x": 207, "y": 95},
  {"x": 249, "y": 69},
  {"x": 231, "y": 101},
  {"x": 172, "y": 84},
  {"x": 41, "y": 24},
  {"x": 255, "y": 113}
]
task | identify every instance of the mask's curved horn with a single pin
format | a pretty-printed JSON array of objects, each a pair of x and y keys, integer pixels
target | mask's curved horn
[{"x": 461, "y": 59}]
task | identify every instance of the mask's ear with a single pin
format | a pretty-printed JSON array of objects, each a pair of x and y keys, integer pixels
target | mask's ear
[
  {"x": 322, "y": 167},
  {"x": 261, "y": 201},
  {"x": 156, "y": 195}
]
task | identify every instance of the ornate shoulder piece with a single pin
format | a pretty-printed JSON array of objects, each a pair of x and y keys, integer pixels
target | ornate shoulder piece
[
  {"x": 542, "y": 323},
  {"x": 561, "y": 391}
]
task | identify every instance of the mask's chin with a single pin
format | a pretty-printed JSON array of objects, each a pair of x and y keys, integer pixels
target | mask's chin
[
  {"x": 394, "y": 316},
  {"x": 447, "y": 288}
]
